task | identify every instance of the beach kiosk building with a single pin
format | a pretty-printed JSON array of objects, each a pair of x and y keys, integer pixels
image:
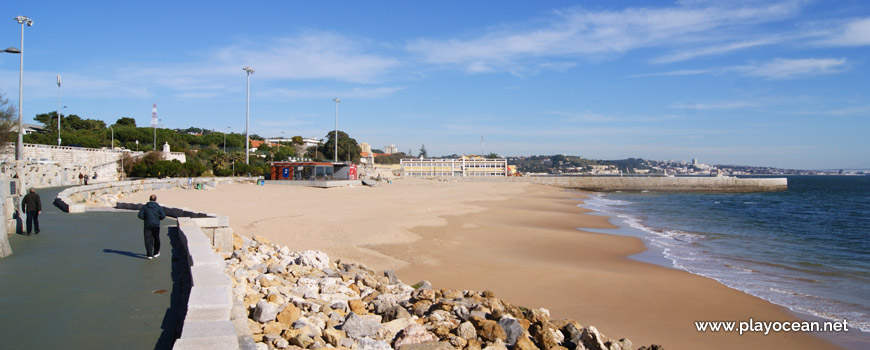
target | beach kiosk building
[{"x": 313, "y": 171}]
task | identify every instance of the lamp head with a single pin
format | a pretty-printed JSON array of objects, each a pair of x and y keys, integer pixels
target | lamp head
[
  {"x": 249, "y": 70},
  {"x": 336, "y": 100},
  {"x": 12, "y": 49},
  {"x": 23, "y": 20}
]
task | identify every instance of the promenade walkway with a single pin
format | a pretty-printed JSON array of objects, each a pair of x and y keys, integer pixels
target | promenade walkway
[{"x": 84, "y": 283}]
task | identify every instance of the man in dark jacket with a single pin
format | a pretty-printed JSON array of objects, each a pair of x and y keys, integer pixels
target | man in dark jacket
[
  {"x": 32, "y": 206},
  {"x": 152, "y": 213}
]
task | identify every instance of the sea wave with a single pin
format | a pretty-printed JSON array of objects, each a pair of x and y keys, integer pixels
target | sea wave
[{"x": 693, "y": 252}]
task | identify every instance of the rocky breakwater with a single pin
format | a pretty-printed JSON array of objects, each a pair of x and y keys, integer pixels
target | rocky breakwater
[{"x": 303, "y": 300}]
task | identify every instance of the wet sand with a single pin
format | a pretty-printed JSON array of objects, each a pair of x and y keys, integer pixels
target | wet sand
[{"x": 519, "y": 240}]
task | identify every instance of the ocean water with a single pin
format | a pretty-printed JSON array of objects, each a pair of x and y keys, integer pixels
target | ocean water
[{"x": 807, "y": 248}]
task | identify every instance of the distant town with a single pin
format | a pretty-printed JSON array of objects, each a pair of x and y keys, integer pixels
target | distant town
[{"x": 573, "y": 165}]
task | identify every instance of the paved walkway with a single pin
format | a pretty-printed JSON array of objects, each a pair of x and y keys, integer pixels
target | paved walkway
[{"x": 84, "y": 283}]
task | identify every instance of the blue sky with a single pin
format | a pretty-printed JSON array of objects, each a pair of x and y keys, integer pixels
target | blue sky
[{"x": 777, "y": 83}]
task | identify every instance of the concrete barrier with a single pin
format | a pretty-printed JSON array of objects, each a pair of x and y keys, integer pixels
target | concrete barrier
[
  {"x": 73, "y": 199},
  {"x": 213, "y": 319}
]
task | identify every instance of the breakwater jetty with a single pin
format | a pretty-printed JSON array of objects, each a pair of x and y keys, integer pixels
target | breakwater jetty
[{"x": 720, "y": 184}]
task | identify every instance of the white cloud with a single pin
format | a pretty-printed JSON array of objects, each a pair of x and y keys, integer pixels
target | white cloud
[
  {"x": 357, "y": 92},
  {"x": 849, "y": 111},
  {"x": 308, "y": 56},
  {"x": 715, "y": 50},
  {"x": 313, "y": 55},
  {"x": 852, "y": 33},
  {"x": 677, "y": 73},
  {"x": 778, "y": 68},
  {"x": 714, "y": 106},
  {"x": 589, "y": 34},
  {"x": 783, "y": 68}
]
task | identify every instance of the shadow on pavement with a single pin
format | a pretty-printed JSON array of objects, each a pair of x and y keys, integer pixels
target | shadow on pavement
[
  {"x": 173, "y": 319},
  {"x": 125, "y": 253}
]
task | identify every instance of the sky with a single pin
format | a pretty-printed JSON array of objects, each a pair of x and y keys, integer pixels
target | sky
[{"x": 765, "y": 83}]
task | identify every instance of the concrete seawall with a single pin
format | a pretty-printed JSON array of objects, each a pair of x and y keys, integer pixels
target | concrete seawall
[
  {"x": 652, "y": 184},
  {"x": 73, "y": 199},
  {"x": 213, "y": 319}
]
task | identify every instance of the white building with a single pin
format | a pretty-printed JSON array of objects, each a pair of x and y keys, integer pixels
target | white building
[
  {"x": 390, "y": 149},
  {"x": 465, "y": 166}
]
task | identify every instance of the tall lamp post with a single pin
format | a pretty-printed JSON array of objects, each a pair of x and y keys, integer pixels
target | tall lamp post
[
  {"x": 22, "y": 20},
  {"x": 58, "y": 109},
  {"x": 225, "y": 140},
  {"x": 336, "y": 100},
  {"x": 249, "y": 71}
]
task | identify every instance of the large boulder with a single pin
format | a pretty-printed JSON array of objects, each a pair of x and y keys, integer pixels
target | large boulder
[
  {"x": 512, "y": 328},
  {"x": 414, "y": 334},
  {"x": 358, "y": 327},
  {"x": 265, "y": 311},
  {"x": 313, "y": 258}
]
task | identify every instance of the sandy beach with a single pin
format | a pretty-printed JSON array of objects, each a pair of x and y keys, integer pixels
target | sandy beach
[{"x": 519, "y": 240}]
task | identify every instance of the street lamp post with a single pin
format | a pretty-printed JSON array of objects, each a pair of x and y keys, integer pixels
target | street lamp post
[
  {"x": 137, "y": 145},
  {"x": 19, "y": 147},
  {"x": 336, "y": 100},
  {"x": 225, "y": 140},
  {"x": 58, "y": 109},
  {"x": 249, "y": 71}
]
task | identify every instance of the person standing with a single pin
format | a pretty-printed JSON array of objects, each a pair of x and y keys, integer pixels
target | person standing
[
  {"x": 152, "y": 213},
  {"x": 32, "y": 206}
]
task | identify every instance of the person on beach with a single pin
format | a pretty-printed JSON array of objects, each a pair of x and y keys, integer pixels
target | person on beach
[
  {"x": 152, "y": 213},
  {"x": 32, "y": 206}
]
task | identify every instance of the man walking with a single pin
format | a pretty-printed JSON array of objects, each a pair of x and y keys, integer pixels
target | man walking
[
  {"x": 32, "y": 206},
  {"x": 152, "y": 213}
]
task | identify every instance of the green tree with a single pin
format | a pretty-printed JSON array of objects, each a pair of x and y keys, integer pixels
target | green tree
[
  {"x": 297, "y": 140},
  {"x": 126, "y": 121},
  {"x": 423, "y": 152},
  {"x": 348, "y": 149},
  {"x": 7, "y": 127},
  {"x": 491, "y": 156}
]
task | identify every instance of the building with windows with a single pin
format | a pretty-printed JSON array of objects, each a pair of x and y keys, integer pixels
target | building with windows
[
  {"x": 390, "y": 149},
  {"x": 454, "y": 167}
]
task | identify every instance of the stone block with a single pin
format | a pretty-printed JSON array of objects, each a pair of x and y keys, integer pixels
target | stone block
[
  {"x": 223, "y": 220},
  {"x": 208, "y": 275},
  {"x": 193, "y": 234},
  {"x": 209, "y": 303},
  {"x": 207, "y": 329},
  {"x": 205, "y": 221},
  {"x": 173, "y": 212},
  {"x": 214, "y": 343},
  {"x": 223, "y": 239},
  {"x": 199, "y": 254},
  {"x": 184, "y": 221},
  {"x": 76, "y": 208}
]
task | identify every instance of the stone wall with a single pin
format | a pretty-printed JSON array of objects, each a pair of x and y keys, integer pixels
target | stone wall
[
  {"x": 52, "y": 166},
  {"x": 213, "y": 320},
  {"x": 73, "y": 199},
  {"x": 7, "y": 222},
  {"x": 651, "y": 183}
]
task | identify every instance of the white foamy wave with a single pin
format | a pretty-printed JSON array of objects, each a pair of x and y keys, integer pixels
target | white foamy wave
[{"x": 597, "y": 202}]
